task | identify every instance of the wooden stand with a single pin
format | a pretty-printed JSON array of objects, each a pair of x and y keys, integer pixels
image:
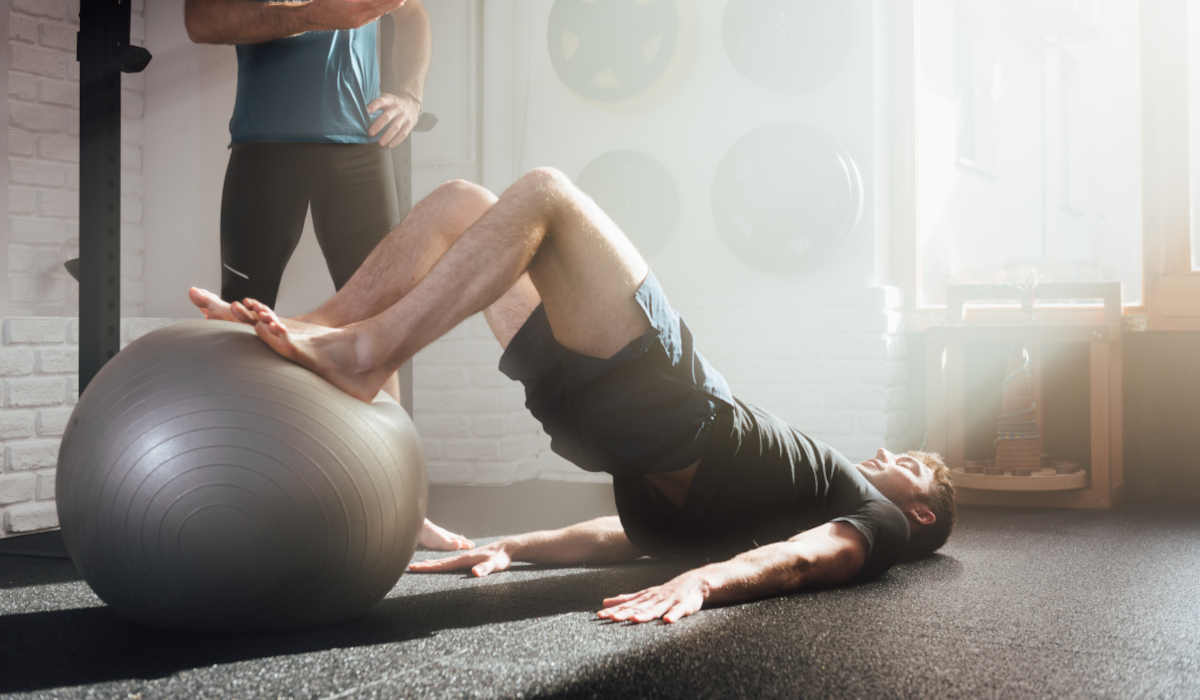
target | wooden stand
[
  {"x": 1044, "y": 480},
  {"x": 945, "y": 399}
]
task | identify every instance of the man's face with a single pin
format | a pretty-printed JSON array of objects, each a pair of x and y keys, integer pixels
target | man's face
[{"x": 902, "y": 479}]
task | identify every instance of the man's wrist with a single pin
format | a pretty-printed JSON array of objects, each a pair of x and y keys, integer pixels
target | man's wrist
[
  {"x": 398, "y": 93},
  {"x": 710, "y": 579},
  {"x": 413, "y": 97},
  {"x": 513, "y": 546},
  {"x": 301, "y": 16}
]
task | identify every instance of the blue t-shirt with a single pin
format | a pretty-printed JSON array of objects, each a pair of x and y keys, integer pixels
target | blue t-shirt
[{"x": 309, "y": 88}]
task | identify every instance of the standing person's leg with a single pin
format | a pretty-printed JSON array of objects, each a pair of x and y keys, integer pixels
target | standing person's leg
[
  {"x": 354, "y": 205},
  {"x": 583, "y": 267},
  {"x": 263, "y": 205}
]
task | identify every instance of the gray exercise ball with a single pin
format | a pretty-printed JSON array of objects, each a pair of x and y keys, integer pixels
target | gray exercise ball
[{"x": 205, "y": 483}]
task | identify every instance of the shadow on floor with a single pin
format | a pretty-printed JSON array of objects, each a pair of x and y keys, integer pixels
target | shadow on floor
[
  {"x": 24, "y": 572},
  {"x": 1024, "y": 603},
  {"x": 95, "y": 645},
  {"x": 34, "y": 560},
  {"x": 786, "y": 644}
]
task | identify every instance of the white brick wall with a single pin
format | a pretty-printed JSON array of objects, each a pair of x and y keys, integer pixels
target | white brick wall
[
  {"x": 38, "y": 366},
  {"x": 39, "y": 363},
  {"x": 43, "y": 95}
]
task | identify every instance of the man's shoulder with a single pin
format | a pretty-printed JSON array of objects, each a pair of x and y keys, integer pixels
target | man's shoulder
[{"x": 886, "y": 530}]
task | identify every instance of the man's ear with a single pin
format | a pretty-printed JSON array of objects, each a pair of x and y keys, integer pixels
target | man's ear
[{"x": 921, "y": 513}]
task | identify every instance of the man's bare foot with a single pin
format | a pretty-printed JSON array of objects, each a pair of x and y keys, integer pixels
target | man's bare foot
[
  {"x": 434, "y": 537},
  {"x": 215, "y": 308},
  {"x": 331, "y": 353}
]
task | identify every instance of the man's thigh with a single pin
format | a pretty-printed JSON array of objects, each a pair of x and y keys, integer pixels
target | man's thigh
[
  {"x": 587, "y": 273},
  {"x": 263, "y": 205},
  {"x": 354, "y": 205},
  {"x": 647, "y": 408}
]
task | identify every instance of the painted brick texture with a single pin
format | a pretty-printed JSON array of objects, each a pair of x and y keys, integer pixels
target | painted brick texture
[
  {"x": 39, "y": 364},
  {"x": 43, "y": 130}
]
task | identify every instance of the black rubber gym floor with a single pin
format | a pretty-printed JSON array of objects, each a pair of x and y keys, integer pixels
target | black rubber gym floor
[{"x": 1020, "y": 604}]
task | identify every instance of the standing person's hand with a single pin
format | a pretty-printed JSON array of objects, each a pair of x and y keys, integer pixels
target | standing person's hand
[
  {"x": 348, "y": 14},
  {"x": 398, "y": 116}
]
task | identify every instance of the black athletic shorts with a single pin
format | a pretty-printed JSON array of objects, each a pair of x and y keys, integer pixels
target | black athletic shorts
[
  {"x": 647, "y": 409},
  {"x": 268, "y": 190}
]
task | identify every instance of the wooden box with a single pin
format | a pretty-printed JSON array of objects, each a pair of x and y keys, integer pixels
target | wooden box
[{"x": 946, "y": 353}]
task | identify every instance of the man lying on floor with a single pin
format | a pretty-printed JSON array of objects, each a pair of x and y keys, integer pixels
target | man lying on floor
[{"x": 610, "y": 371}]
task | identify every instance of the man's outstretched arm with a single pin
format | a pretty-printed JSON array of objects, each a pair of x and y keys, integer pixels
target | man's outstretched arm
[
  {"x": 822, "y": 556},
  {"x": 598, "y": 541},
  {"x": 253, "y": 22}
]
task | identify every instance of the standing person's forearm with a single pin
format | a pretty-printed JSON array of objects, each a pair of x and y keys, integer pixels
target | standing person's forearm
[
  {"x": 244, "y": 21},
  {"x": 412, "y": 50},
  {"x": 252, "y": 22}
]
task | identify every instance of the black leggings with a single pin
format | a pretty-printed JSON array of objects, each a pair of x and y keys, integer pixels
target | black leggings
[{"x": 268, "y": 190}]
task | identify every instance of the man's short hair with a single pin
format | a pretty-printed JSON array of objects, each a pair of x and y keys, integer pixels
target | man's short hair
[{"x": 928, "y": 538}]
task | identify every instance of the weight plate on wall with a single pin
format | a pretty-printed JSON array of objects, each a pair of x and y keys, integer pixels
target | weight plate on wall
[
  {"x": 638, "y": 193},
  {"x": 788, "y": 46},
  {"x": 785, "y": 197},
  {"x": 613, "y": 51}
]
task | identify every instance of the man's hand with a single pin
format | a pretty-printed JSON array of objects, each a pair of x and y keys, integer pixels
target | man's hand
[
  {"x": 825, "y": 555},
  {"x": 437, "y": 537},
  {"x": 349, "y": 14},
  {"x": 403, "y": 78},
  {"x": 672, "y": 601},
  {"x": 399, "y": 115},
  {"x": 481, "y": 560}
]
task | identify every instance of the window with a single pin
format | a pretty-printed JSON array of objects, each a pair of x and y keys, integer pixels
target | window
[
  {"x": 1028, "y": 144},
  {"x": 1193, "y": 62}
]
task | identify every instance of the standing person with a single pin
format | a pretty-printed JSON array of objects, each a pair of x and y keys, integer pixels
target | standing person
[{"x": 311, "y": 127}]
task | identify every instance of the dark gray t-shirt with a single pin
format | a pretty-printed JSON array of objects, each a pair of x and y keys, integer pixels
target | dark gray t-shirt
[{"x": 761, "y": 481}]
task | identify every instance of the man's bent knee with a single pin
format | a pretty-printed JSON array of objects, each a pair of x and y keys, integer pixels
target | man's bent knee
[
  {"x": 544, "y": 179},
  {"x": 465, "y": 194},
  {"x": 464, "y": 201}
]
